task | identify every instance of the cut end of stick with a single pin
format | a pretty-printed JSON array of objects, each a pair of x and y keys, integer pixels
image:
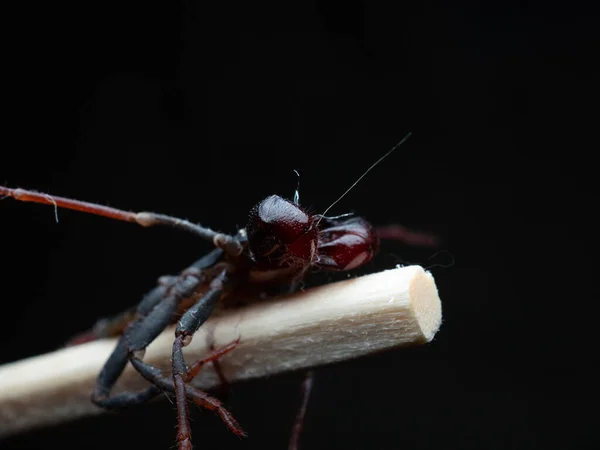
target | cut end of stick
[
  {"x": 426, "y": 304},
  {"x": 323, "y": 325}
]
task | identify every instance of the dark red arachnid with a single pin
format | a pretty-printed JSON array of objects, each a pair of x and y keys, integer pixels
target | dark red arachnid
[{"x": 280, "y": 244}]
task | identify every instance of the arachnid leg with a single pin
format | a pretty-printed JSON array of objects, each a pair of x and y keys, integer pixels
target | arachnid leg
[
  {"x": 408, "y": 236},
  {"x": 139, "y": 337},
  {"x": 154, "y": 313},
  {"x": 195, "y": 368},
  {"x": 223, "y": 387},
  {"x": 127, "y": 399},
  {"x": 223, "y": 382},
  {"x": 199, "y": 397},
  {"x": 186, "y": 327},
  {"x": 153, "y": 316},
  {"x": 229, "y": 244},
  {"x": 307, "y": 385}
]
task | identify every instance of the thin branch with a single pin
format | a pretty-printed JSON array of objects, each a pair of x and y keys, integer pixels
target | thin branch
[{"x": 322, "y": 325}]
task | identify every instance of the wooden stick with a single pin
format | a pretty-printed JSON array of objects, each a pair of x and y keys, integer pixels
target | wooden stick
[{"x": 322, "y": 325}]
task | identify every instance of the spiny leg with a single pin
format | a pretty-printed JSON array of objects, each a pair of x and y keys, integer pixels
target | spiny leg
[{"x": 146, "y": 219}]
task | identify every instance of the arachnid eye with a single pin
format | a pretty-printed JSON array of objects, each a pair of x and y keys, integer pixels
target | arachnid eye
[{"x": 278, "y": 228}]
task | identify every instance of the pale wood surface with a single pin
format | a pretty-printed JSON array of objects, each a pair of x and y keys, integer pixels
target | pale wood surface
[{"x": 322, "y": 325}]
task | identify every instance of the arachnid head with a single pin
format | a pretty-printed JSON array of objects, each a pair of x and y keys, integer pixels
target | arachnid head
[{"x": 281, "y": 234}]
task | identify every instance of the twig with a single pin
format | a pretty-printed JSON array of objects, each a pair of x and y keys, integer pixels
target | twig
[{"x": 322, "y": 325}]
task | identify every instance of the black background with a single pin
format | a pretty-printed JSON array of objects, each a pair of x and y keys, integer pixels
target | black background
[{"x": 199, "y": 111}]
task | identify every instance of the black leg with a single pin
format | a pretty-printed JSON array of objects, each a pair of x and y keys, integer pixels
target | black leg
[
  {"x": 136, "y": 338},
  {"x": 127, "y": 399},
  {"x": 154, "y": 313},
  {"x": 226, "y": 242},
  {"x": 117, "y": 361},
  {"x": 157, "y": 314},
  {"x": 188, "y": 324}
]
